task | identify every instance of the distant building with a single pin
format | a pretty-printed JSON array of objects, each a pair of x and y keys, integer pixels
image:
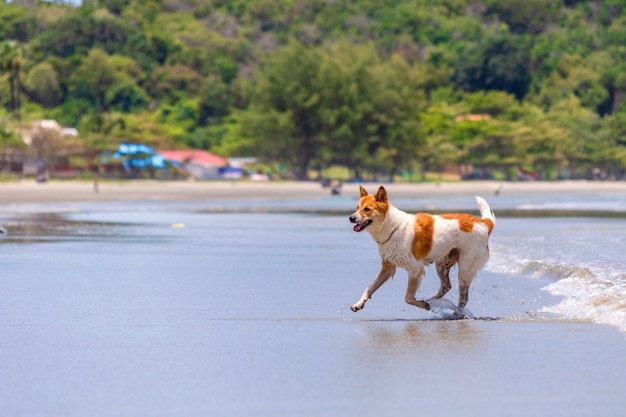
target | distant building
[
  {"x": 199, "y": 164},
  {"x": 49, "y": 147},
  {"x": 242, "y": 162},
  {"x": 43, "y": 127}
]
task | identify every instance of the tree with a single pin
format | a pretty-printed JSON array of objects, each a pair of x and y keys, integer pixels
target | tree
[
  {"x": 98, "y": 137},
  {"x": 95, "y": 75},
  {"x": 347, "y": 110},
  {"x": 10, "y": 140},
  {"x": 42, "y": 83},
  {"x": 437, "y": 123},
  {"x": 532, "y": 16},
  {"x": 543, "y": 144},
  {"x": 612, "y": 156},
  {"x": 283, "y": 118},
  {"x": 85, "y": 29},
  {"x": 126, "y": 96},
  {"x": 495, "y": 148},
  {"x": 12, "y": 54},
  {"x": 216, "y": 101},
  {"x": 397, "y": 92},
  {"x": 15, "y": 22},
  {"x": 499, "y": 61},
  {"x": 571, "y": 78},
  {"x": 587, "y": 132},
  {"x": 173, "y": 83},
  {"x": 338, "y": 104}
]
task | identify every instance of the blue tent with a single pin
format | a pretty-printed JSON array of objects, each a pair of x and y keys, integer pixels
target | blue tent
[
  {"x": 133, "y": 149},
  {"x": 137, "y": 155}
]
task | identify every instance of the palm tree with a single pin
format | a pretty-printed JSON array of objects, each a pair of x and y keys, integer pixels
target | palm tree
[
  {"x": 10, "y": 142},
  {"x": 97, "y": 140},
  {"x": 11, "y": 60}
]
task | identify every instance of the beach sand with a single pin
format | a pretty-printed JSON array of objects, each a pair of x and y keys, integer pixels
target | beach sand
[
  {"x": 273, "y": 339},
  {"x": 30, "y": 192}
]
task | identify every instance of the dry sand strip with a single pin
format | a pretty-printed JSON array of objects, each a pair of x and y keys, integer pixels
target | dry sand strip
[{"x": 30, "y": 192}]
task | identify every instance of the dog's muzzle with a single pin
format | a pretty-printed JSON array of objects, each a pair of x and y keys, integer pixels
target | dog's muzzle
[{"x": 359, "y": 227}]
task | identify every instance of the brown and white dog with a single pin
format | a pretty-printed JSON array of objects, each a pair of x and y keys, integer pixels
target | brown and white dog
[{"x": 412, "y": 241}]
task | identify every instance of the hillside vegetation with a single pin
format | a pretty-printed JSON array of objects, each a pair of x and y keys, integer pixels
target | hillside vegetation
[{"x": 375, "y": 86}]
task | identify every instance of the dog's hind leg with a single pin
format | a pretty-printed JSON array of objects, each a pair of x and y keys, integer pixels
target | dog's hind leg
[
  {"x": 415, "y": 279},
  {"x": 443, "y": 271},
  {"x": 386, "y": 272},
  {"x": 468, "y": 268},
  {"x": 466, "y": 276}
]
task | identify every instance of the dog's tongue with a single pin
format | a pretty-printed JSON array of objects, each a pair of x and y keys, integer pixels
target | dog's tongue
[{"x": 357, "y": 228}]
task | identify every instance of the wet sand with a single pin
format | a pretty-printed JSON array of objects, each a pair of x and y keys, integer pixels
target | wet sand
[
  {"x": 30, "y": 192},
  {"x": 120, "y": 313}
]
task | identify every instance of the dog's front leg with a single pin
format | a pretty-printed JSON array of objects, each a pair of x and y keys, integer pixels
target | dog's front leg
[
  {"x": 386, "y": 272},
  {"x": 415, "y": 279}
]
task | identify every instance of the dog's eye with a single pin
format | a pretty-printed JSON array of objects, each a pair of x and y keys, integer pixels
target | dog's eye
[{"x": 367, "y": 209}]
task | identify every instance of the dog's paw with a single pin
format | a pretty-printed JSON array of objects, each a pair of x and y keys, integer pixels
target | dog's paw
[
  {"x": 356, "y": 307},
  {"x": 445, "y": 309}
]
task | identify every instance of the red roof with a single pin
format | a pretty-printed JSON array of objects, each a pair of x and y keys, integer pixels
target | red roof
[{"x": 200, "y": 157}]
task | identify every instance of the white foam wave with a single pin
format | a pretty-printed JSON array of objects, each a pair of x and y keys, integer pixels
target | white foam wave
[
  {"x": 593, "y": 291},
  {"x": 539, "y": 269},
  {"x": 601, "y": 300},
  {"x": 505, "y": 261}
]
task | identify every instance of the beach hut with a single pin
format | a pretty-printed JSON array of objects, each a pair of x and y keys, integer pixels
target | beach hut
[
  {"x": 199, "y": 164},
  {"x": 137, "y": 155},
  {"x": 139, "y": 160}
]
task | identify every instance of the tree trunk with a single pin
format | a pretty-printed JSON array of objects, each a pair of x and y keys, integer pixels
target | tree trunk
[
  {"x": 12, "y": 93},
  {"x": 303, "y": 161},
  {"x": 18, "y": 99}
]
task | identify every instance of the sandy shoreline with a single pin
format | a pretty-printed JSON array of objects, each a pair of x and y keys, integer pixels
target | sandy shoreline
[
  {"x": 248, "y": 316},
  {"x": 30, "y": 192},
  {"x": 126, "y": 298}
]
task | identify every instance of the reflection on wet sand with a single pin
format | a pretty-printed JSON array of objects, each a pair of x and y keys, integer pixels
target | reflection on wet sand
[
  {"x": 44, "y": 227},
  {"x": 425, "y": 337}
]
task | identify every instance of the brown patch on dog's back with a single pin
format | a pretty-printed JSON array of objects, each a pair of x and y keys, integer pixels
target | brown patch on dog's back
[
  {"x": 489, "y": 224},
  {"x": 467, "y": 221},
  {"x": 423, "y": 240}
]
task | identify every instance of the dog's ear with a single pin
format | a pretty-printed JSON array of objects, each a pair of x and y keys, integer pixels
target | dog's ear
[
  {"x": 362, "y": 190},
  {"x": 381, "y": 195}
]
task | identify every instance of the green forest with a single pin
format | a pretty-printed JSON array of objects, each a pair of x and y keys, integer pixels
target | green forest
[{"x": 380, "y": 88}]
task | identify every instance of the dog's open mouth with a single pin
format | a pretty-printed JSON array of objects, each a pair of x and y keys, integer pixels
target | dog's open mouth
[{"x": 359, "y": 227}]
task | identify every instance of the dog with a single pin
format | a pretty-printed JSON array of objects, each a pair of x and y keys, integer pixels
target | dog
[{"x": 412, "y": 241}]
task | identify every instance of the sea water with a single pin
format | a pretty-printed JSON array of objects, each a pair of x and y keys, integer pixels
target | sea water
[
  {"x": 583, "y": 258},
  {"x": 185, "y": 309},
  {"x": 580, "y": 260}
]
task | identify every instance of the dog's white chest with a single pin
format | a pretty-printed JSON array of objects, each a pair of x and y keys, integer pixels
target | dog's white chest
[
  {"x": 395, "y": 248},
  {"x": 397, "y": 252}
]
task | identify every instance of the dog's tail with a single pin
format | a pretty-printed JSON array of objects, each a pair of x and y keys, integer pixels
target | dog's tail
[{"x": 485, "y": 211}]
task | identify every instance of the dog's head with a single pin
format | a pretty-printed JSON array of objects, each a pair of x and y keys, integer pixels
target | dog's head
[{"x": 371, "y": 209}]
